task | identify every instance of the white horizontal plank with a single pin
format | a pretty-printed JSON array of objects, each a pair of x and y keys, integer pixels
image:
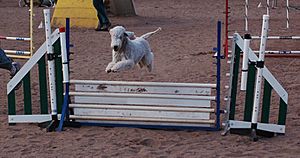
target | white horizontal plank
[
  {"x": 239, "y": 124},
  {"x": 146, "y": 108},
  {"x": 131, "y": 100},
  {"x": 29, "y": 118},
  {"x": 17, "y": 52},
  {"x": 273, "y": 37},
  {"x": 130, "y": 83},
  {"x": 141, "y": 113},
  {"x": 157, "y": 96},
  {"x": 143, "y": 119},
  {"x": 145, "y": 89},
  {"x": 261, "y": 126},
  {"x": 271, "y": 127},
  {"x": 157, "y": 124}
]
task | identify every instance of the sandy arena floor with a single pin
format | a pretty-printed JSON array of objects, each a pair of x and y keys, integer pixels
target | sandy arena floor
[{"x": 181, "y": 52}]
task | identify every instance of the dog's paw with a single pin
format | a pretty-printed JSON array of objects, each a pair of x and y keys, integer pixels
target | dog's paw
[{"x": 108, "y": 71}]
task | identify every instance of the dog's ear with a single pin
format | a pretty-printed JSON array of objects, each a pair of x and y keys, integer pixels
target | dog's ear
[{"x": 125, "y": 34}]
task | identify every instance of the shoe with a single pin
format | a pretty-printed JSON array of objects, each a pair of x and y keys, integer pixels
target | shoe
[
  {"x": 104, "y": 27},
  {"x": 14, "y": 70}
]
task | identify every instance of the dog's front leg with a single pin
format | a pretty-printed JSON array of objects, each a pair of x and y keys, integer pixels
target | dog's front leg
[
  {"x": 123, "y": 65},
  {"x": 115, "y": 58},
  {"x": 109, "y": 66}
]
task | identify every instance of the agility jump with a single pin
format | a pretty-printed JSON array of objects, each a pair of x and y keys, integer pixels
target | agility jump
[
  {"x": 135, "y": 104},
  {"x": 144, "y": 104},
  {"x": 250, "y": 124}
]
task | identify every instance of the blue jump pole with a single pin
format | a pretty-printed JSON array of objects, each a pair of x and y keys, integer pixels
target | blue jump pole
[
  {"x": 219, "y": 30},
  {"x": 65, "y": 111}
]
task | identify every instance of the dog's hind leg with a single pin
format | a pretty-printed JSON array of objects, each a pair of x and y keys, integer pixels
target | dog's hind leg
[
  {"x": 123, "y": 65},
  {"x": 142, "y": 63},
  {"x": 148, "y": 60}
]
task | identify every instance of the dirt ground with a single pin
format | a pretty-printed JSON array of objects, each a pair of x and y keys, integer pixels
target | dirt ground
[{"x": 181, "y": 52}]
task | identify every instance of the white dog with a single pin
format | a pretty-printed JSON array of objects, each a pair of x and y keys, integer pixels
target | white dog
[{"x": 129, "y": 50}]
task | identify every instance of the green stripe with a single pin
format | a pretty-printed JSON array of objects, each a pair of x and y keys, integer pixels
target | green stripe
[
  {"x": 11, "y": 103},
  {"x": 43, "y": 86},
  {"x": 282, "y": 112},
  {"x": 249, "y": 92},
  {"x": 27, "y": 94},
  {"x": 234, "y": 81},
  {"x": 265, "y": 114},
  {"x": 58, "y": 76}
]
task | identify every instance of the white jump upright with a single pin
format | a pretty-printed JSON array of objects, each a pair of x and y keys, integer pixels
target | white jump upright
[
  {"x": 245, "y": 62},
  {"x": 287, "y": 14},
  {"x": 259, "y": 78},
  {"x": 246, "y": 14},
  {"x": 51, "y": 67}
]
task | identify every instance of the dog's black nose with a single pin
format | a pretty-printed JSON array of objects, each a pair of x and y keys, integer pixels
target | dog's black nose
[{"x": 116, "y": 48}]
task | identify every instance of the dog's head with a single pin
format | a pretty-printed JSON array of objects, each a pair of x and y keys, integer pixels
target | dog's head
[{"x": 118, "y": 35}]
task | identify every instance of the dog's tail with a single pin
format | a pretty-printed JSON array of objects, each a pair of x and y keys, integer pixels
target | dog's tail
[{"x": 147, "y": 35}]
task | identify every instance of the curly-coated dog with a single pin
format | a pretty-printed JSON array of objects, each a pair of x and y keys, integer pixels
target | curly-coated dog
[{"x": 128, "y": 50}]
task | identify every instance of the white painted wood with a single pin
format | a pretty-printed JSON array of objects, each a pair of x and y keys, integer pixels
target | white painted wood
[
  {"x": 246, "y": 14},
  {"x": 142, "y": 103},
  {"x": 283, "y": 52},
  {"x": 266, "y": 73},
  {"x": 142, "y": 89},
  {"x": 17, "y": 52},
  {"x": 15, "y": 38},
  {"x": 51, "y": 63},
  {"x": 29, "y": 118},
  {"x": 140, "y": 113},
  {"x": 127, "y": 123},
  {"x": 130, "y": 83},
  {"x": 142, "y": 99},
  {"x": 261, "y": 126},
  {"x": 239, "y": 124},
  {"x": 64, "y": 57},
  {"x": 287, "y": 14},
  {"x": 30, "y": 63},
  {"x": 245, "y": 63},
  {"x": 128, "y": 95},
  {"x": 273, "y": 37},
  {"x": 147, "y": 108},
  {"x": 271, "y": 127},
  {"x": 259, "y": 77},
  {"x": 144, "y": 119}
]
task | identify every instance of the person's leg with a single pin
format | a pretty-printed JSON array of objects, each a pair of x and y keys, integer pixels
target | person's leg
[
  {"x": 8, "y": 64},
  {"x": 5, "y": 62},
  {"x": 101, "y": 14}
]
